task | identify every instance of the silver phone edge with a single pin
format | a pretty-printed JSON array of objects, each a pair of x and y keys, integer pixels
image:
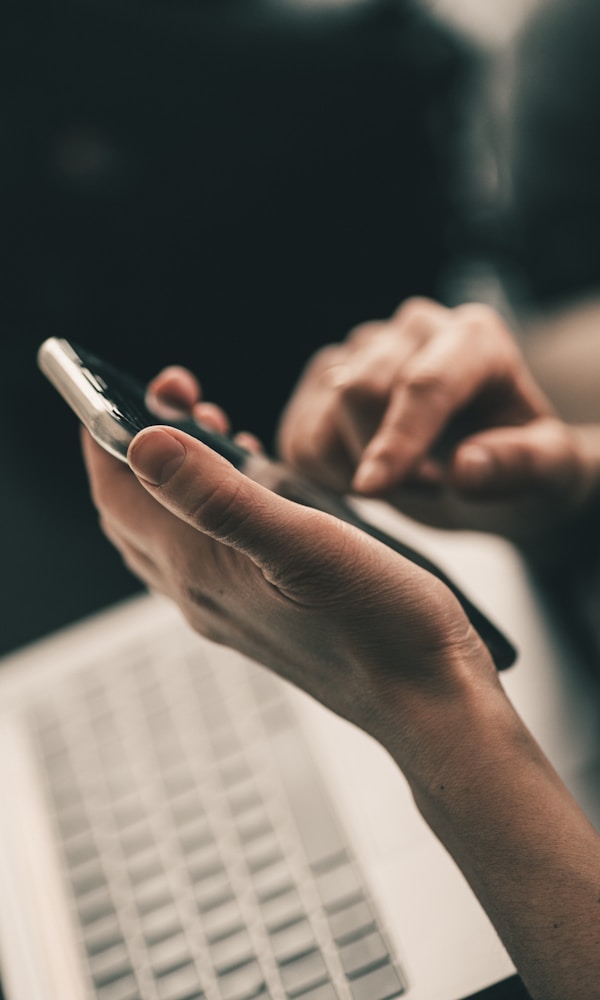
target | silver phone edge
[{"x": 58, "y": 363}]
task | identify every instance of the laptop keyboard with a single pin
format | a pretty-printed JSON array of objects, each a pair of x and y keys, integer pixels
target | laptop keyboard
[{"x": 201, "y": 855}]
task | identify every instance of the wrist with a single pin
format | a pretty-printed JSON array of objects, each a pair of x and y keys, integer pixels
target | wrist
[
  {"x": 471, "y": 759},
  {"x": 440, "y": 724}
]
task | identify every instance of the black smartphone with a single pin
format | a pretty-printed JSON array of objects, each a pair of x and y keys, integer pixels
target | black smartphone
[{"x": 114, "y": 407}]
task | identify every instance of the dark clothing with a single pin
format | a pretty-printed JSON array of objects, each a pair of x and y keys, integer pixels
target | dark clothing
[{"x": 552, "y": 229}]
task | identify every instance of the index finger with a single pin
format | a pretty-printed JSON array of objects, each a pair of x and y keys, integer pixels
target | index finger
[
  {"x": 175, "y": 385},
  {"x": 451, "y": 369}
]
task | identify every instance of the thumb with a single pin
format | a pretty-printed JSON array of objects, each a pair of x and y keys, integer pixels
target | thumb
[
  {"x": 505, "y": 462},
  {"x": 203, "y": 489}
]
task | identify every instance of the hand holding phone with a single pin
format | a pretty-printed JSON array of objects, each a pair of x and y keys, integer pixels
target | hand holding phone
[{"x": 113, "y": 406}]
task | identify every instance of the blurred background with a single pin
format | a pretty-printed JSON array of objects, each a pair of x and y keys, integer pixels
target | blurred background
[{"x": 229, "y": 184}]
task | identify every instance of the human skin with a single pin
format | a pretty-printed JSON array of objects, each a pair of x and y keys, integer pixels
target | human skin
[
  {"x": 436, "y": 411},
  {"x": 385, "y": 645}
]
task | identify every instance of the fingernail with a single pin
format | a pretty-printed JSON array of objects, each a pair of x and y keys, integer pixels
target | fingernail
[
  {"x": 371, "y": 476},
  {"x": 476, "y": 465},
  {"x": 155, "y": 456}
]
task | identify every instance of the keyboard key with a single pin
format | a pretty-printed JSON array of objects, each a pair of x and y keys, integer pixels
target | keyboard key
[
  {"x": 245, "y": 798},
  {"x": 222, "y": 920},
  {"x": 121, "y": 989},
  {"x": 318, "y": 824},
  {"x": 73, "y": 821},
  {"x": 103, "y": 934},
  {"x": 205, "y": 861},
  {"x": 231, "y": 951},
  {"x": 95, "y": 905},
  {"x": 145, "y": 866},
  {"x": 80, "y": 849},
  {"x": 262, "y": 851},
  {"x": 293, "y": 940},
  {"x": 195, "y": 834},
  {"x": 234, "y": 770},
  {"x": 380, "y": 984},
  {"x": 167, "y": 747},
  {"x": 152, "y": 893},
  {"x": 88, "y": 877},
  {"x": 303, "y": 972},
  {"x": 128, "y": 811},
  {"x": 363, "y": 953},
  {"x": 185, "y": 807},
  {"x": 253, "y": 824},
  {"x": 351, "y": 921},
  {"x": 136, "y": 838},
  {"x": 338, "y": 885},
  {"x": 110, "y": 963},
  {"x": 177, "y": 982},
  {"x": 121, "y": 972},
  {"x": 178, "y": 779},
  {"x": 213, "y": 890},
  {"x": 225, "y": 742},
  {"x": 282, "y": 909},
  {"x": 275, "y": 715},
  {"x": 243, "y": 983},
  {"x": 266, "y": 685},
  {"x": 120, "y": 781},
  {"x": 326, "y": 991},
  {"x": 160, "y": 923},
  {"x": 272, "y": 880},
  {"x": 65, "y": 788},
  {"x": 193, "y": 994},
  {"x": 169, "y": 951}
]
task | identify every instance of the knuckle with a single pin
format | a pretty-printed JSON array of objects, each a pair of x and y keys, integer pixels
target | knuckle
[
  {"x": 299, "y": 443},
  {"x": 364, "y": 332},
  {"x": 482, "y": 322},
  {"x": 322, "y": 465},
  {"x": 415, "y": 312},
  {"x": 297, "y": 452},
  {"x": 428, "y": 382},
  {"x": 363, "y": 388},
  {"x": 478, "y": 315},
  {"x": 323, "y": 370},
  {"x": 483, "y": 331},
  {"x": 350, "y": 384},
  {"x": 327, "y": 357},
  {"x": 559, "y": 442}
]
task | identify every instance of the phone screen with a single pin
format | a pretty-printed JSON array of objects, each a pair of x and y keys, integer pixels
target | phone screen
[{"x": 127, "y": 398}]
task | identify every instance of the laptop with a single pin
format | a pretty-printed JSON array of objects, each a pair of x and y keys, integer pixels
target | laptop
[{"x": 179, "y": 824}]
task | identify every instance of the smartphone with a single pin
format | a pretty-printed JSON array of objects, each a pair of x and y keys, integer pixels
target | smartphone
[{"x": 114, "y": 407}]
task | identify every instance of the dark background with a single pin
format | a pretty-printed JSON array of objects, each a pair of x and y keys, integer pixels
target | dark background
[{"x": 212, "y": 184}]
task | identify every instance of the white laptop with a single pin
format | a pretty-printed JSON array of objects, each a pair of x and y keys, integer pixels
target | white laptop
[{"x": 178, "y": 824}]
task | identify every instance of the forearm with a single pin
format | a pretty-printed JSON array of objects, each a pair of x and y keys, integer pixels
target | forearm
[{"x": 525, "y": 847}]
